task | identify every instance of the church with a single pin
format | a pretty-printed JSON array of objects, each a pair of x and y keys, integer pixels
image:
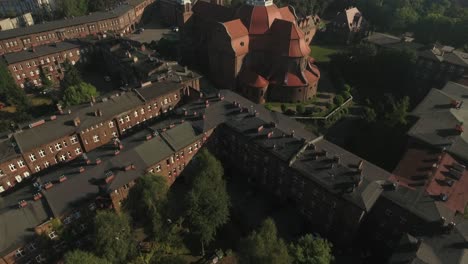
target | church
[{"x": 258, "y": 49}]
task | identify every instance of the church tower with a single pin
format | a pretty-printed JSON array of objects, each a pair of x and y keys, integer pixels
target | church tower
[{"x": 184, "y": 11}]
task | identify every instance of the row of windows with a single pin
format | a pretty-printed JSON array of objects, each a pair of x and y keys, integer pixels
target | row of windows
[
  {"x": 34, "y": 63},
  {"x": 18, "y": 179}
]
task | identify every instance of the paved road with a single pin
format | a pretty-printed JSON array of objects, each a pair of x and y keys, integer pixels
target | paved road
[{"x": 153, "y": 31}]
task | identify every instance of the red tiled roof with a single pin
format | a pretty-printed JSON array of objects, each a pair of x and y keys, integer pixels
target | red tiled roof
[
  {"x": 214, "y": 12},
  {"x": 416, "y": 169},
  {"x": 287, "y": 15},
  {"x": 235, "y": 28},
  {"x": 253, "y": 79},
  {"x": 289, "y": 39},
  {"x": 239, "y": 36},
  {"x": 258, "y": 19},
  {"x": 292, "y": 79}
]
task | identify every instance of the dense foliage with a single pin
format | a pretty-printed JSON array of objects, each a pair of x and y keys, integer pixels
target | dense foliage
[
  {"x": 76, "y": 91},
  {"x": 113, "y": 240},
  {"x": 264, "y": 246},
  {"x": 79, "y": 257},
  {"x": 311, "y": 250},
  {"x": 430, "y": 20},
  {"x": 207, "y": 202},
  {"x": 71, "y": 8}
]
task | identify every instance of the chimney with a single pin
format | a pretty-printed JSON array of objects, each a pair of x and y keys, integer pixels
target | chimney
[
  {"x": 459, "y": 127},
  {"x": 292, "y": 133},
  {"x": 60, "y": 109},
  {"x": 76, "y": 121},
  {"x": 98, "y": 112},
  {"x": 260, "y": 128}
]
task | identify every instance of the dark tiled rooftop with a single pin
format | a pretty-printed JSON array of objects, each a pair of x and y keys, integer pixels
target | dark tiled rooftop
[
  {"x": 39, "y": 51},
  {"x": 58, "y": 24}
]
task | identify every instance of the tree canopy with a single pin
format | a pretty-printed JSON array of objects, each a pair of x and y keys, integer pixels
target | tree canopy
[
  {"x": 73, "y": 8},
  {"x": 147, "y": 200},
  {"x": 113, "y": 240},
  {"x": 79, "y": 257},
  {"x": 310, "y": 250},
  {"x": 207, "y": 203},
  {"x": 431, "y": 20},
  {"x": 80, "y": 93},
  {"x": 264, "y": 246}
]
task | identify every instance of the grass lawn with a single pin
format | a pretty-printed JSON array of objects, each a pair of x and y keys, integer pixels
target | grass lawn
[
  {"x": 321, "y": 53},
  {"x": 38, "y": 101}
]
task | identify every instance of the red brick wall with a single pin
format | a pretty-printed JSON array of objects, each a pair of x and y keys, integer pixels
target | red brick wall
[
  {"x": 51, "y": 154},
  {"x": 20, "y": 169},
  {"x": 140, "y": 114},
  {"x": 23, "y": 72},
  {"x": 104, "y": 131}
]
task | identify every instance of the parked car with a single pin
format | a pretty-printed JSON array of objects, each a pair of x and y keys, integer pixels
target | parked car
[{"x": 175, "y": 29}]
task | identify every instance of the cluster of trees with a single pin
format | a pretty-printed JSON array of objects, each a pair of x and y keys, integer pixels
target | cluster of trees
[
  {"x": 430, "y": 20},
  {"x": 206, "y": 208},
  {"x": 384, "y": 82},
  {"x": 265, "y": 247},
  {"x": 12, "y": 95},
  {"x": 73, "y": 8},
  {"x": 76, "y": 91}
]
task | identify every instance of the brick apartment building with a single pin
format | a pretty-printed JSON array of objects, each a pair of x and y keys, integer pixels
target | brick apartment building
[
  {"x": 13, "y": 168},
  {"x": 258, "y": 49},
  {"x": 274, "y": 153},
  {"x": 65, "y": 136},
  {"x": 25, "y": 65},
  {"x": 120, "y": 20}
]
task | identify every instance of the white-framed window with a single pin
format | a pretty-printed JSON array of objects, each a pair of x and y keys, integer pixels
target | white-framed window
[
  {"x": 111, "y": 124},
  {"x": 62, "y": 157},
  {"x": 31, "y": 73},
  {"x": 2, "y": 173},
  {"x": 26, "y": 174},
  {"x": 158, "y": 168},
  {"x": 96, "y": 138},
  {"x": 127, "y": 118},
  {"x": 135, "y": 114},
  {"x": 77, "y": 151},
  {"x": 142, "y": 111},
  {"x": 18, "y": 77},
  {"x": 121, "y": 121},
  {"x": 51, "y": 149},
  {"x": 74, "y": 140},
  {"x": 21, "y": 163},
  {"x": 165, "y": 101},
  {"x": 58, "y": 146},
  {"x": 32, "y": 157},
  {"x": 65, "y": 144},
  {"x": 41, "y": 153},
  {"x": 190, "y": 150},
  {"x": 18, "y": 178},
  {"x": 14, "y": 68},
  {"x": 46, "y": 164},
  {"x": 196, "y": 145},
  {"x": 38, "y": 168}
]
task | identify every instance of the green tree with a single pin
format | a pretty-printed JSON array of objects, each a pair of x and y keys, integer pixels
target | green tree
[
  {"x": 300, "y": 109},
  {"x": 112, "y": 234},
  {"x": 264, "y": 246},
  {"x": 71, "y": 76},
  {"x": 77, "y": 94},
  {"x": 72, "y": 8},
  {"x": 207, "y": 203},
  {"x": 100, "y": 5},
  {"x": 310, "y": 250},
  {"x": 46, "y": 83},
  {"x": 78, "y": 257},
  {"x": 147, "y": 200},
  {"x": 283, "y": 108},
  {"x": 338, "y": 100},
  {"x": 369, "y": 115},
  {"x": 399, "y": 112}
]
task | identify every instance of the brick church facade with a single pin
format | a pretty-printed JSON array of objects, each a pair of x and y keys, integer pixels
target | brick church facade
[{"x": 258, "y": 49}]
